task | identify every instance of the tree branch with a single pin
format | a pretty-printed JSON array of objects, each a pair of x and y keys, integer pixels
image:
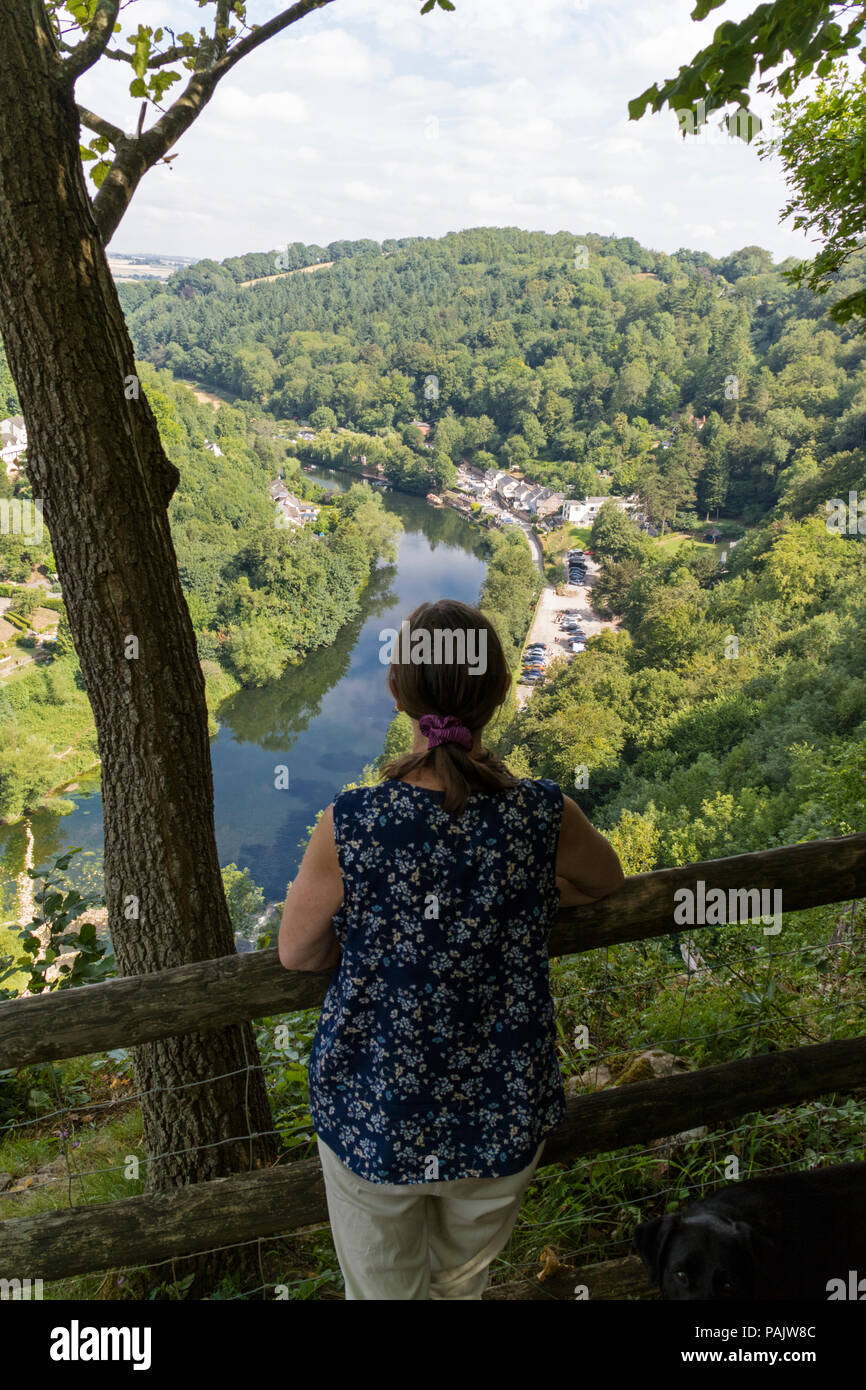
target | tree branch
[
  {"x": 100, "y": 126},
  {"x": 171, "y": 55},
  {"x": 90, "y": 49},
  {"x": 140, "y": 154},
  {"x": 263, "y": 32}
]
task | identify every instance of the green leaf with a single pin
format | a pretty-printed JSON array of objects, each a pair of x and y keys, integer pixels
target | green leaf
[{"x": 141, "y": 43}]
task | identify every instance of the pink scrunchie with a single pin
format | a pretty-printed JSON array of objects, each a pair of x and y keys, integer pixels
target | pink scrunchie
[{"x": 444, "y": 729}]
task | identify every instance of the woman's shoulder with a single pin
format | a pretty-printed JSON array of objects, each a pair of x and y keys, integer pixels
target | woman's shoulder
[
  {"x": 371, "y": 796},
  {"x": 544, "y": 790},
  {"x": 375, "y": 797}
]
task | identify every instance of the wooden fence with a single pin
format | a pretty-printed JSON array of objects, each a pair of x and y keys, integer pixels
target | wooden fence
[{"x": 211, "y": 994}]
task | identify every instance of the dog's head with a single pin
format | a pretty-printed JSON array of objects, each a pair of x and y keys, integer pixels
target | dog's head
[{"x": 702, "y": 1256}]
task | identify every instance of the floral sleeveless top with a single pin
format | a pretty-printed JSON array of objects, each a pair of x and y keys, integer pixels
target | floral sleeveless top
[{"x": 435, "y": 1053}]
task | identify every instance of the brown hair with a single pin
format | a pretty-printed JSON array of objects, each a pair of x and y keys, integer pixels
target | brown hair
[{"x": 450, "y": 688}]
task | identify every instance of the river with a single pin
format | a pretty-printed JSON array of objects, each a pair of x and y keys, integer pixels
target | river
[{"x": 322, "y": 720}]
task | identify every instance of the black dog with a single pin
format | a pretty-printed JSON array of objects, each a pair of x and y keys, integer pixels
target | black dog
[{"x": 782, "y": 1237}]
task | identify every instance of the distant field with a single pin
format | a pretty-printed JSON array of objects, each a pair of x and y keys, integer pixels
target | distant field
[
  {"x": 210, "y": 396},
  {"x": 302, "y": 270},
  {"x": 122, "y": 268}
]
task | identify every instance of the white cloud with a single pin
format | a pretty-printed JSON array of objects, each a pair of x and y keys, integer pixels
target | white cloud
[
  {"x": 377, "y": 121},
  {"x": 363, "y": 192},
  {"x": 332, "y": 55},
  {"x": 259, "y": 108}
]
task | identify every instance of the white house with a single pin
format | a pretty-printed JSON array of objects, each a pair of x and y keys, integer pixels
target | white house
[
  {"x": 507, "y": 486},
  {"x": 13, "y": 441},
  {"x": 520, "y": 495},
  {"x": 293, "y": 510},
  {"x": 584, "y": 513}
]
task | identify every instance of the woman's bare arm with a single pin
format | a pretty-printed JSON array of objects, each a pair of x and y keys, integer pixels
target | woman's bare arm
[
  {"x": 307, "y": 938},
  {"x": 587, "y": 865}
]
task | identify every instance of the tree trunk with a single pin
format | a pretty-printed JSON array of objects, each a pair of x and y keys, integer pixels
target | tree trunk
[{"x": 97, "y": 462}]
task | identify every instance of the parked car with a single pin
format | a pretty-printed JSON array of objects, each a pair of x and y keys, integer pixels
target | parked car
[{"x": 578, "y": 646}]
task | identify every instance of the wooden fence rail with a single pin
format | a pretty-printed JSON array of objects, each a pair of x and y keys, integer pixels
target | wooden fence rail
[
  {"x": 267, "y": 1202},
  {"x": 277, "y": 1201},
  {"x": 214, "y": 993}
]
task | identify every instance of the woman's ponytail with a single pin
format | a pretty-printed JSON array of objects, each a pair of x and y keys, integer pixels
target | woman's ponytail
[{"x": 456, "y": 696}]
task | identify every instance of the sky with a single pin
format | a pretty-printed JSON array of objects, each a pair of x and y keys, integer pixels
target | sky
[{"x": 368, "y": 119}]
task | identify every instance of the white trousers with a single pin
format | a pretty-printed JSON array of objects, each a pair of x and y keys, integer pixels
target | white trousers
[{"x": 429, "y": 1240}]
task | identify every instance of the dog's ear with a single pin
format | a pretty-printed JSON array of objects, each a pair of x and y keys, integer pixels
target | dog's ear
[{"x": 651, "y": 1239}]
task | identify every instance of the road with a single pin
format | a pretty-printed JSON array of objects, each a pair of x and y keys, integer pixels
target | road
[
  {"x": 545, "y": 627},
  {"x": 534, "y": 545}
]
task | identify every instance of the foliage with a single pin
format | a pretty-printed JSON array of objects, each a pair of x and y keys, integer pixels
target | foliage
[
  {"x": 823, "y": 147},
  {"x": 244, "y": 897},
  {"x": 53, "y": 934},
  {"x": 706, "y": 386},
  {"x": 822, "y": 141}
]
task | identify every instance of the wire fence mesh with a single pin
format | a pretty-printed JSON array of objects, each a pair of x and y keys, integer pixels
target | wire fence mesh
[{"x": 624, "y": 1013}]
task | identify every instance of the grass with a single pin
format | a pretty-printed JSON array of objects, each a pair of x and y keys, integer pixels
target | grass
[
  {"x": 670, "y": 543},
  {"x": 45, "y": 711}
]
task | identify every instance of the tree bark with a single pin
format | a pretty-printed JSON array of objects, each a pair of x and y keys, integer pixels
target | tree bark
[{"x": 97, "y": 462}]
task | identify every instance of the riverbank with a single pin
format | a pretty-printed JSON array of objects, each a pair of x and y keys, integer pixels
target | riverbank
[{"x": 324, "y": 720}]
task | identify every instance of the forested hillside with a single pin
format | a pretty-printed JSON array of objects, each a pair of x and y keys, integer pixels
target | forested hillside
[
  {"x": 562, "y": 355},
  {"x": 260, "y": 596},
  {"x": 724, "y": 717},
  {"x": 728, "y": 712}
]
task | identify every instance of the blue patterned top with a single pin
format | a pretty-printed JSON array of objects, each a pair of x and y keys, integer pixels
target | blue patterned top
[{"x": 435, "y": 1054}]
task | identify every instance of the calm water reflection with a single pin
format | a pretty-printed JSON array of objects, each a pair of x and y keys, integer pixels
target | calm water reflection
[{"x": 323, "y": 720}]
